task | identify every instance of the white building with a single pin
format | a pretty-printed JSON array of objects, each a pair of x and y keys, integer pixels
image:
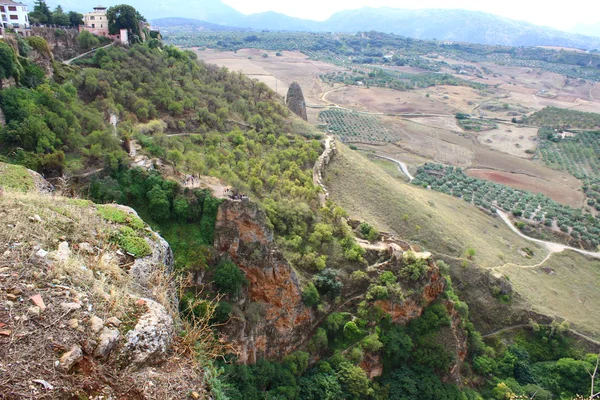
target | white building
[{"x": 13, "y": 15}]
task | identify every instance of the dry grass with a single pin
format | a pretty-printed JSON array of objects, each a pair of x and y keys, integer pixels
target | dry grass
[
  {"x": 98, "y": 281},
  {"x": 440, "y": 223},
  {"x": 570, "y": 291}
]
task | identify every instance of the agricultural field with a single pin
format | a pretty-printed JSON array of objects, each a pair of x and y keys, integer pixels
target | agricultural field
[
  {"x": 389, "y": 78},
  {"x": 518, "y": 141},
  {"x": 578, "y": 154},
  {"x": 477, "y": 125},
  {"x": 560, "y": 118},
  {"x": 354, "y": 127},
  {"x": 529, "y": 208},
  {"x": 575, "y": 199}
]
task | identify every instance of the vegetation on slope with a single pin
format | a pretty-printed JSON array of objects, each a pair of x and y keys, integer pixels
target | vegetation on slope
[
  {"x": 419, "y": 215},
  {"x": 577, "y": 154},
  {"x": 531, "y": 208}
]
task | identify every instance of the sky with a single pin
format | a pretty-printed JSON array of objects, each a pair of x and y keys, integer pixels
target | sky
[{"x": 555, "y": 14}]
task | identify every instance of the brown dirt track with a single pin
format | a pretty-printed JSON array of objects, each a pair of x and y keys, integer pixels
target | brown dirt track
[{"x": 519, "y": 181}]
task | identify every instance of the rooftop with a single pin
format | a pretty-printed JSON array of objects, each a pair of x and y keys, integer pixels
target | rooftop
[{"x": 10, "y": 3}]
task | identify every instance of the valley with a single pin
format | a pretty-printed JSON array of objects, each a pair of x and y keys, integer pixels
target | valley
[
  {"x": 418, "y": 126},
  {"x": 230, "y": 214}
]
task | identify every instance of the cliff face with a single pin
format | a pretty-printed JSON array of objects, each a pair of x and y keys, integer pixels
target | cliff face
[
  {"x": 274, "y": 317},
  {"x": 295, "y": 101},
  {"x": 412, "y": 307},
  {"x": 62, "y": 42}
]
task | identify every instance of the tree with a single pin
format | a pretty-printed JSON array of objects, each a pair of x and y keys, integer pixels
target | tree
[
  {"x": 59, "y": 17},
  {"x": 126, "y": 17},
  {"x": 87, "y": 40},
  {"x": 229, "y": 278},
  {"x": 7, "y": 61},
  {"x": 75, "y": 19},
  {"x": 41, "y": 13},
  {"x": 159, "y": 204}
]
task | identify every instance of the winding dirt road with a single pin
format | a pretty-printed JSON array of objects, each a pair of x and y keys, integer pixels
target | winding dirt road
[
  {"x": 551, "y": 246},
  {"x": 401, "y": 167}
]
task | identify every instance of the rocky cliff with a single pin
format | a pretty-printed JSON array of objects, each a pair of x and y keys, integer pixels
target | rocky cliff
[
  {"x": 274, "y": 319},
  {"x": 295, "y": 101},
  {"x": 62, "y": 42},
  {"x": 98, "y": 321}
]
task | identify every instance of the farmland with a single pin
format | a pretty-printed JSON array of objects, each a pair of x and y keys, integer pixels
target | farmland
[
  {"x": 396, "y": 80},
  {"x": 578, "y": 154},
  {"x": 375, "y": 48},
  {"x": 530, "y": 208},
  {"x": 561, "y": 118},
  {"x": 354, "y": 127}
]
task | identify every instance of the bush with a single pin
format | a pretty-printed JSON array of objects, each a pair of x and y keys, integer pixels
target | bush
[
  {"x": 326, "y": 282},
  {"x": 310, "y": 295},
  {"x": 229, "y": 278}
]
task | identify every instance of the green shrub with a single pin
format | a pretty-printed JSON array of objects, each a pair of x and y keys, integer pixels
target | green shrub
[
  {"x": 119, "y": 216},
  {"x": 135, "y": 245},
  {"x": 39, "y": 44},
  {"x": 310, "y": 295},
  {"x": 229, "y": 278}
]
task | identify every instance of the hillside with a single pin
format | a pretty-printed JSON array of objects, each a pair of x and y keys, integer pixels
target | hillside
[
  {"x": 422, "y": 216},
  {"x": 189, "y": 248}
]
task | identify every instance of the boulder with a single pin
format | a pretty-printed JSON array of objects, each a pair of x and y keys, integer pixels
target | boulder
[
  {"x": 71, "y": 358},
  {"x": 108, "y": 340},
  {"x": 149, "y": 341}
]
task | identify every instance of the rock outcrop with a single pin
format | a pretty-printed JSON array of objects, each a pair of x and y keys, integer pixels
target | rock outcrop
[
  {"x": 275, "y": 319},
  {"x": 151, "y": 338},
  {"x": 295, "y": 101},
  {"x": 320, "y": 165},
  {"x": 62, "y": 42}
]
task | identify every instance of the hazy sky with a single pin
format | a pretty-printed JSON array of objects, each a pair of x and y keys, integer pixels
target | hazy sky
[{"x": 557, "y": 14}]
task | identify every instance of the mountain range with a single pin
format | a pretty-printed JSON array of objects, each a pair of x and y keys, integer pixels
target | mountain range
[{"x": 441, "y": 24}]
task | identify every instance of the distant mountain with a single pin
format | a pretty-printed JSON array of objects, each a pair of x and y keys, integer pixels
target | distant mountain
[
  {"x": 442, "y": 24},
  {"x": 190, "y": 25},
  {"x": 455, "y": 25}
]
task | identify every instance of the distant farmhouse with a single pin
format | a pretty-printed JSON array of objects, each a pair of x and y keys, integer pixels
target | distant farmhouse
[{"x": 14, "y": 16}]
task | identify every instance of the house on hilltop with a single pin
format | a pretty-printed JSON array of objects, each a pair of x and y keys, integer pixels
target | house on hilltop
[
  {"x": 95, "y": 22},
  {"x": 14, "y": 16}
]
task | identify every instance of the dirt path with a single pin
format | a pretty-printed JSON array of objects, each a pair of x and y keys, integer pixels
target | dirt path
[
  {"x": 520, "y": 326},
  {"x": 401, "y": 167},
  {"x": 319, "y": 167},
  {"x": 68, "y": 62},
  {"x": 552, "y": 247}
]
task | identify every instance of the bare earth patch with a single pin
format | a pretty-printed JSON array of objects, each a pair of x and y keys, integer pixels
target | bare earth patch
[
  {"x": 510, "y": 139},
  {"x": 559, "y": 193}
]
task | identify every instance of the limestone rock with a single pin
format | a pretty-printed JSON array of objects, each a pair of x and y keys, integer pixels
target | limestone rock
[
  {"x": 96, "y": 324},
  {"x": 161, "y": 258},
  {"x": 70, "y": 306},
  {"x": 86, "y": 248},
  {"x": 63, "y": 252},
  {"x": 109, "y": 338},
  {"x": 149, "y": 341},
  {"x": 71, "y": 358},
  {"x": 114, "y": 321},
  {"x": 295, "y": 101}
]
